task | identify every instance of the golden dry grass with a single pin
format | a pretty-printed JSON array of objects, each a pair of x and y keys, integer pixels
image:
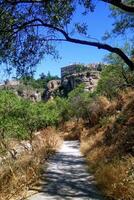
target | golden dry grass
[
  {"x": 108, "y": 147},
  {"x": 72, "y": 130},
  {"x": 17, "y": 176},
  {"x": 116, "y": 178}
]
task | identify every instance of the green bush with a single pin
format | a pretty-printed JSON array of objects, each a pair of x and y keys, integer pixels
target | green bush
[
  {"x": 10, "y": 124},
  {"x": 79, "y": 101},
  {"x": 62, "y": 106},
  {"x": 19, "y": 118},
  {"x": 110, "y": 81}
]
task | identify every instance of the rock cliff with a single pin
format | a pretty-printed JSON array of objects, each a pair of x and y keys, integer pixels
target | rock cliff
[
  {"x": 67, "y": 83},
  {"x": 52, "y": 88},
  {"x": 21, "y": 90}
]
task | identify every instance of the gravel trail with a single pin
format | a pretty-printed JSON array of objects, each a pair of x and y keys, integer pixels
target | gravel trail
[{"x": 67, "y": 178}]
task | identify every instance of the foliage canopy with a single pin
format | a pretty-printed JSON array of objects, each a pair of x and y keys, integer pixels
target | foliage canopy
[{"x": 30, "y": 28}]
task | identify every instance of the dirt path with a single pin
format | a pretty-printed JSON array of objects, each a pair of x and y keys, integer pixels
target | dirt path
[{"x": 67, "y": 177}]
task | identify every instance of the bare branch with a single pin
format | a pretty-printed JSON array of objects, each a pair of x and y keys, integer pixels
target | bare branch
[
  {"x": 121, "y": 5},
  {"x": 117, "y": 3},
  {"x": 25, "y": 1},
  {"x": 78, "y": 41}
]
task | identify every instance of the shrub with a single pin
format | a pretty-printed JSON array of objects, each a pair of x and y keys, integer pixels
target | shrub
[
  {"x": 78, "y": 100},
  {"x": 17, "y": 176},
  {"x": 10, "y": 124},
  {"x": 116, "y": 179},
  {"x": 110, "y": 81}
]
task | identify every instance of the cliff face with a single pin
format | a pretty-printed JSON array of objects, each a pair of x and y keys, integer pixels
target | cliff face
[
  {"x": 69, "y": 82},
  {"x": 52, "y": 88},
  {"x": 21, "y": 90},
  {"x": 89, "y": 78}
]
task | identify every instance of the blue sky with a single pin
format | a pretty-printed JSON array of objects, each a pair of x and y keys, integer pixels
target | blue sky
[{"x": 98, "y": 22}]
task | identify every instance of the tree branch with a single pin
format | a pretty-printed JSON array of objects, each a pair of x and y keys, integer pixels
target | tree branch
[
  {"x": 25, "y": 1},
  {"x": 117, "y": 3},
  {"x": 121, "y": 5},
  {"x": 105, "y": 47},
  {"x": 83, "y": 42}
]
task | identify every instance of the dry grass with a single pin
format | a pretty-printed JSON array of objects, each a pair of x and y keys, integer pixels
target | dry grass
[
  {"x": 17, "y": 176},
  {"x": 109, "y": 147},
  {"x": 72, "y": 130},
  {"x": 48, "y": 138},
  {"x": 99, "y": 108},
  {"x": 124, "y": 97},
  {"x": 116, "y": 179}
]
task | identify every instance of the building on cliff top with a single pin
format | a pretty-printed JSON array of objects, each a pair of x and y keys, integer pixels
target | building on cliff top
[
  {"x": 75, "y": 68},
  {"x": 68, "y": 70}
]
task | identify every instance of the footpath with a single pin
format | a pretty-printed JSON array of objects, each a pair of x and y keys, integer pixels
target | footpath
[{"x": 66, "y": 177}]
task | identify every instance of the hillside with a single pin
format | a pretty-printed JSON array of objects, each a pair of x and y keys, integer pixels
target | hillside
[
  {"x": 109, "y": 148},
  {"x": 107, "y": 142},
  {"x": 102, "y": 120}
]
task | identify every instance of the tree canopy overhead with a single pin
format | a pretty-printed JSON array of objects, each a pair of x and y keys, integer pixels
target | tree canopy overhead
[{"x": 29, "y": 29}]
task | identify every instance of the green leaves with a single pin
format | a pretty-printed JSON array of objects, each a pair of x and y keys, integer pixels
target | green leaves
[
  {"x": 20, "y": 118},
  {"x": 28, "y": 33},
  {"x": 10, "y": 121},
  {"x": 81, "y": 28},
  {"x": 78, "y": 100},
  {"x": 110, "y": 81},
  {"x": 123, "y": 22}
]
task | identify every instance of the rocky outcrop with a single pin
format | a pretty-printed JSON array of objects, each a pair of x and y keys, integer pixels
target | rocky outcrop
[
  {"x": 67, "y": 83},
  {"x": 14, "y": 150},
  {"x": 51, "y": 89},
  {"x": 89, "y": 79},
  {"x": 33, "y": 95},
  {"x": 21, "y": 90},
  {"x": 12, "y": 84}
]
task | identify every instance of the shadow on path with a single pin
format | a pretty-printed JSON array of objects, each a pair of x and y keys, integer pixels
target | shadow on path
[{"x": 67, "y": 178}]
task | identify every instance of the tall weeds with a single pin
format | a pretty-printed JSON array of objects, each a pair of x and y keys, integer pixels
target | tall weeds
[
  {"x": 17, "y": 176},
  {"x": 116, "y": 178},
  {"x": 108, "y": 146}
]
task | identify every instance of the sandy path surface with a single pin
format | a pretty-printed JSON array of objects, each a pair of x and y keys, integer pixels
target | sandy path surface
[{"x": 67, "y": 178}]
